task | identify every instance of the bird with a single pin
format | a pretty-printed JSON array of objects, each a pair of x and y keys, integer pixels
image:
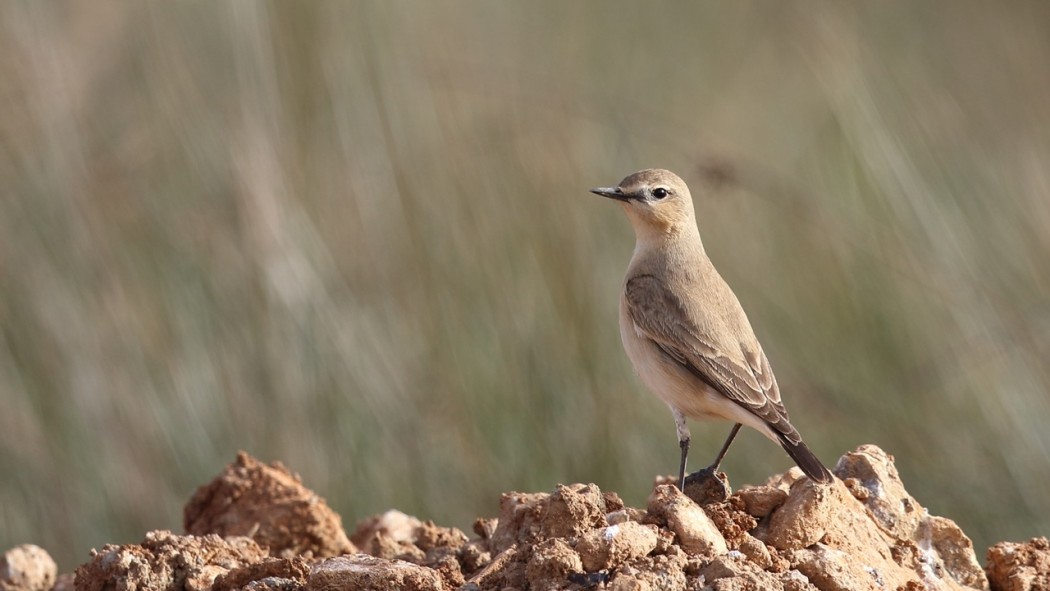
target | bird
[{"x": 684, "y": 329}]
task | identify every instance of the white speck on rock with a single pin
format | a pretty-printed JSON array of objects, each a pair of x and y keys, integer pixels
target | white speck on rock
[
  {"x": 875, "y": 575},
  {"x": 875, "y": 487}
]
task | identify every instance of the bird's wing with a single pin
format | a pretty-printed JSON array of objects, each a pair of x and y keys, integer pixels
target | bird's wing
[{"x": 743, "y": 375}]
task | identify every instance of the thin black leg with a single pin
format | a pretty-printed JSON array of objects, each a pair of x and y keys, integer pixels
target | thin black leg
[
  {"x": 725, "y": 447},
  {"x": 684, "y": 444}
]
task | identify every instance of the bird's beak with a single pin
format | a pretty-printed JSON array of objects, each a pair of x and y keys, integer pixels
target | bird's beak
[{"x": 611, "y": 193}]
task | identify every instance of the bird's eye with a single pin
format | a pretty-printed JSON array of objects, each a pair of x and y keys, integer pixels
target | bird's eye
[{"x": 659, "y": 192}]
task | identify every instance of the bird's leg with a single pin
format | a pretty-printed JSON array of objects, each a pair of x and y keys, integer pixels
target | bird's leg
[
  {"x": 722, "y": 453},
  {"x": 683, "y": 442},
  {"x": 709, "y": 485},
  {"x": 704, "y": 485}
]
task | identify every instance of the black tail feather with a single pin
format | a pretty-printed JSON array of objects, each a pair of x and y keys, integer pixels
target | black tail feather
[{"x": 805, "y": 459}]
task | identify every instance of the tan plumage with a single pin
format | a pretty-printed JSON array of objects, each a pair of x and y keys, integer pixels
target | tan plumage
[{"x": 684, "y": 329}]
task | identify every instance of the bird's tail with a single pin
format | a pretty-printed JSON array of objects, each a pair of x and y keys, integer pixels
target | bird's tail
[{"x": 805, "y": 459}]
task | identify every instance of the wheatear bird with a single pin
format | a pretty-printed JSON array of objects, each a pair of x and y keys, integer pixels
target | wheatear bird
[{"x": 684, "y": 330}]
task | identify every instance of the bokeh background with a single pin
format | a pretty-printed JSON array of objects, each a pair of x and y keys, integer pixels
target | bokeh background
[{"x": 356, "y": 237}]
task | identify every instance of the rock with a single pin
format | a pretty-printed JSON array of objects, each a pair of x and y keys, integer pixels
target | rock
[
  {"x": 806, "y": 514},
  {"x": 872, "y": 478},
  {"x": 390, "y": 535},
  {"x": 611, "y": 546},
  {"x": 270, "y": 505},
  {"x": 394, "y": 535},
  {"x": 695, "y": 531},
  {"x": 572, "y": 511},
  {"x": 361, "y": 571},
  {"x": 705, "y": 487},
  {"x": 760, "y": 501},
  {"x": 731, "y": 520},
  {"x": 507, "y": 569},
  {"x": 653, "y": 573},
  {"x": 272, "y": 573},
  {"x": 519, "y": 520},
  {"x": 393, "y": 524},
  {"x": 733, "y": 572},
  {"x": 949, "y": 552},
  {"x": 613, "y": 502},
  {"x": 552, "y": 562},
  {"x": 840, "y": 539},
  {"x": 796, "y": 581},
  {"x": 1014, "y": 566},
  {"x": 785, "y": 480},
  {"x": 756, "y": 551},
  {"x": 27, "y": 568},
  {"x": 450, "y": 571},
  {"x": 274, "y": 584},
  {"x": 430, "y": 536},
  {"x": 618, "y": 517},
  {"x": 833, "y": 570},
  {"x": 164, "y": 561},
  {"x": 860, "y": 532},
  {"x": 473, "y": 557},
  {"x": 485, "y": 528}
]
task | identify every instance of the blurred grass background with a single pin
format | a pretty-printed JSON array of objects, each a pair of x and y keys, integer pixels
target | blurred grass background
[{"x": 356, "y": 237}]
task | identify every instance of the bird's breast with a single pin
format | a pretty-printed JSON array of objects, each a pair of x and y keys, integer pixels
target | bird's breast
[{"x": 664, "y": 377}]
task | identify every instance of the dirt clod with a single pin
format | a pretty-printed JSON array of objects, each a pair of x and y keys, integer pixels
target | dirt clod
[
  {"x": 861, "y": 532},
  {"x": 573, "y": 510},
  {"x": 553, "y": 560},
  {"x": 755, "y": 550},
  {"x": 390, "y": 535},
  {"x": 760, "y": 501},
  {"x": 1020, "y": 566},
  {"x": 361, "y": 571},
  {"x": 274, "y": 573},
  {"x": 734, "y": 573},
  {"x": 695, "y": 531},
  {"x": 519, "y": 520},
  {"x": 654, "y": 573},
  {"x": 879, "y": 540},
  {"x": 611, "y": 546},
  {"x": 27, "y": 568},
  {"x": 732, "y": 521},
  {"x": 270, "y": 505},
  {"x": 705, "y": 487},
  {"x": 165, "y": 561}
]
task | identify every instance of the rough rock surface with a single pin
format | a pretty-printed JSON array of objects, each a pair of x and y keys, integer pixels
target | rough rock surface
[
  {"x": 165, "y": 561},
  {"x": 273, "y": 573},
  {"x": 361, "y": 571},
  {"x": 1020, "y": 566},
  {"x": 609, "y": 547},
  {"x": 861, "y": 532},
  {"x": 270, "y": 505},
  {"x": 694, "y": 530},
  {"x": 27, "y": 568},
  {"x": 866, "y": 532}
]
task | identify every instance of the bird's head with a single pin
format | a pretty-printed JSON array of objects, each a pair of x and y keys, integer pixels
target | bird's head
[{"x": 656, "y": 201}]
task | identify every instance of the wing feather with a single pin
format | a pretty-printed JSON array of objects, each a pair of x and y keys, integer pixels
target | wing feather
[{"x": 740, "y": 373}]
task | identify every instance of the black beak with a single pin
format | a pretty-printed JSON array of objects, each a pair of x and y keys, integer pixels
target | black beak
[{"x": 611, "y": 192}]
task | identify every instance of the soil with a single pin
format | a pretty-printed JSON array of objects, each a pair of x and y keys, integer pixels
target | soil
[{"x": 256, "y": 527}]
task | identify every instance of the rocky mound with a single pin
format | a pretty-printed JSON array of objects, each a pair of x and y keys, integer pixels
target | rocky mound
[{"x": 255, "y": 527}]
